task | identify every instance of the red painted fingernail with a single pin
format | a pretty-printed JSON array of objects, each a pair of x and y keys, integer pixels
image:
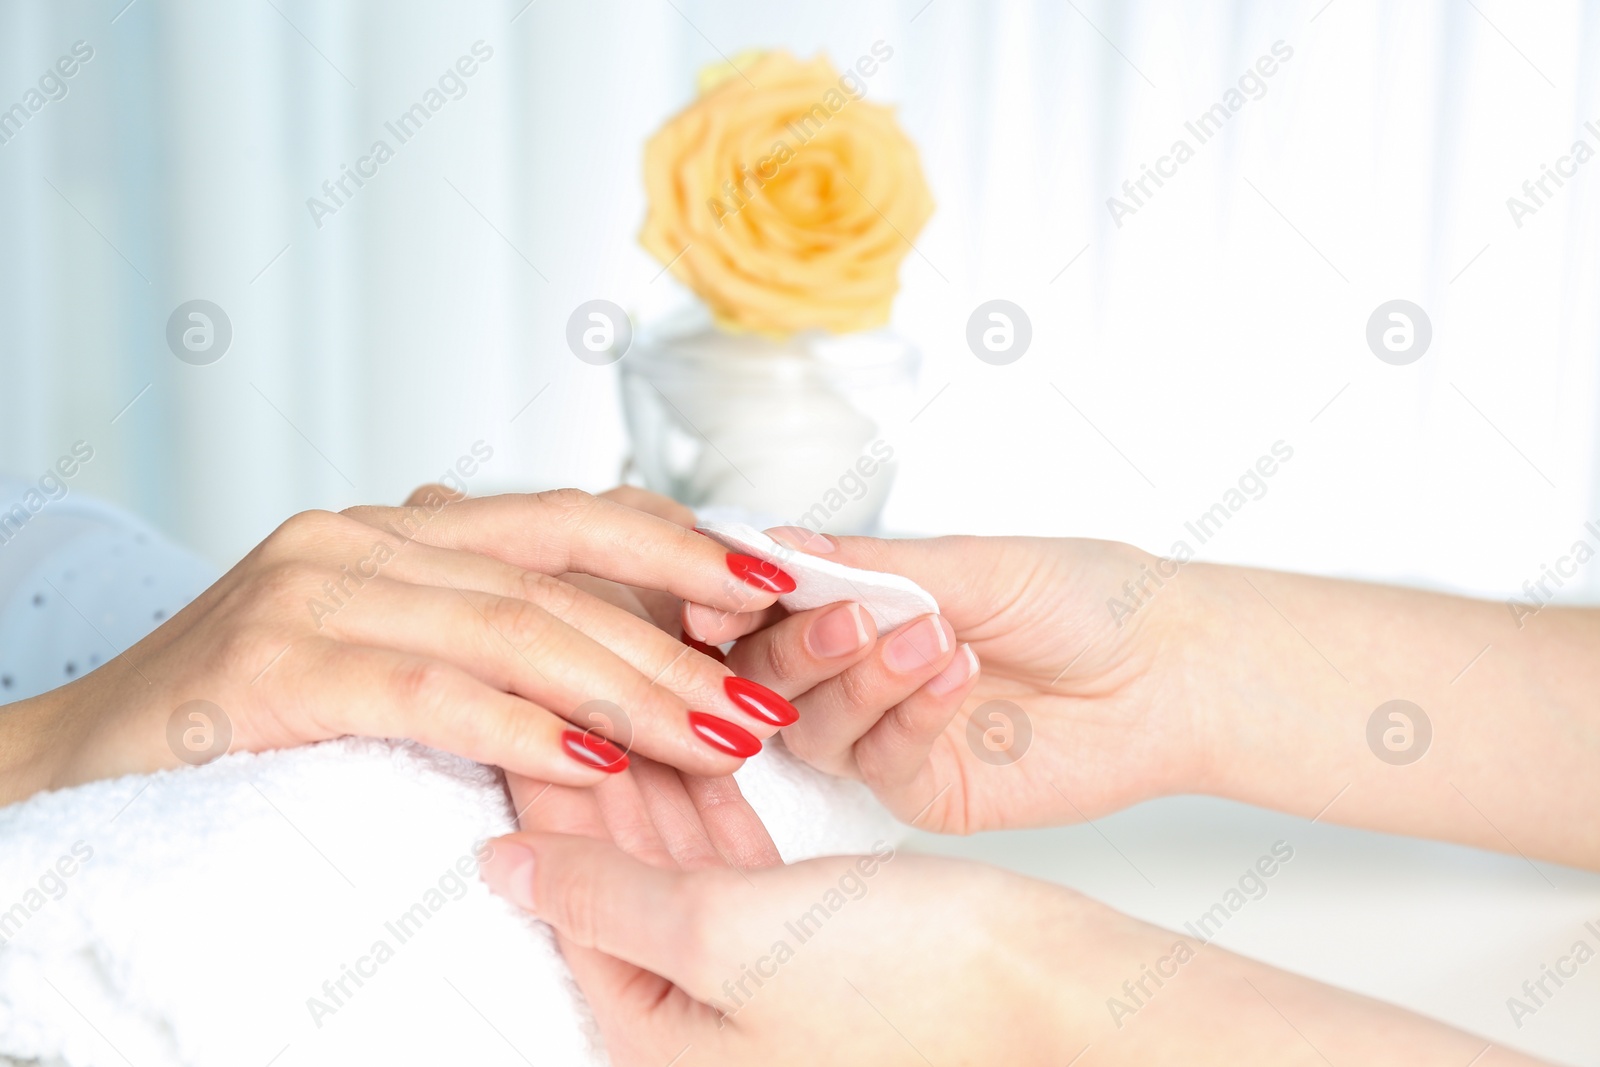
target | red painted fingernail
[
  {"x": 709, "y": 650},
  {"x": 759, "y": 573},
  {"x": 723, "y": 735},
  {"x": 592, "y": 750},
  {"x": 759, "y": 701}
]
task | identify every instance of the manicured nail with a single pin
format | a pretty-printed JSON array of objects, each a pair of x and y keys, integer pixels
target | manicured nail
[
  {"x": 918, "y": 645},
  {"x": 759, "y": 573},
  {"x": 592, "y": 750},
  {"x": 953, "y": 677},
  {"x": 723, "y": 735},
  {"x": 838, "y": 632},
  {"x": 805, "y": 540},
  {"x": 508, "y": 872},
  {"x": 704, "y": 649},
  {"x": 759, "y": 701}
]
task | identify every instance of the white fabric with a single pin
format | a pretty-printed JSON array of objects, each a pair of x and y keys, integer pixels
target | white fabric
[{"x": 217, "y": 900}]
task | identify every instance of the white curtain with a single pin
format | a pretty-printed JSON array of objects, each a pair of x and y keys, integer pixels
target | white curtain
[{"x": 1226, "y": 314}]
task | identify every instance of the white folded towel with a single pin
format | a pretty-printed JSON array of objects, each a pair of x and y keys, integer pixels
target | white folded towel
[{"x": 313, "y": 906}]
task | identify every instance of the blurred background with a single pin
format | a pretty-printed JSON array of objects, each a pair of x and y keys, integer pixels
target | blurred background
[{"x": 1171, "y": 347}]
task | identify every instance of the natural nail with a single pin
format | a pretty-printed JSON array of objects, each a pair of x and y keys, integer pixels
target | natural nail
[
  {"x": 954, "y": 676},
  {"x": 592, "y": 750},
  {"x": 759, "y": 701},
  {"x": 759, "y": 573},
  {"x": 509, "y": 872},
  {"x": 918, "y": 645},
  {"x": 838, "y": 632},
  {"x": 723, "y": 735}
]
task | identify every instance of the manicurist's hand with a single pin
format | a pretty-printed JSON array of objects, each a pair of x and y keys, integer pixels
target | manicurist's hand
[
  {"x": 441, "y": 621},
  {"x": 695, "y": 947},
  {"x": 1110, "y": 676},
  {"x": 1023, "y": 704}
]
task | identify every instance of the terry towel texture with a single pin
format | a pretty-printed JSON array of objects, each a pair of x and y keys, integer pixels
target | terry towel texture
[{"x": 313, "y": 906}]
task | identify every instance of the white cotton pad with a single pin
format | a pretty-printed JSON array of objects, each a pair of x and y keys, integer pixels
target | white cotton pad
[{"x": 891, "y": 599}]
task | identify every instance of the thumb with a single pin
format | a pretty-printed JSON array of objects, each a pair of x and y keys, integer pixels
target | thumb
[
  {"x": 953, "y": 569},
  {"x": 597, "y": 897}
]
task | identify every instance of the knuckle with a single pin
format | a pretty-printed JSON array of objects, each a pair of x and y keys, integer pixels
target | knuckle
[
  {"x": 857, "y": 691},
  {"x": 297, "y": 534},
  {"x": 419, "y": 683},
  {"x": 551, "y": 594},
  {"x": 782, "y": 655},
  {"x": 525, "y": 625},
  {"x": 565, "y": 500}
]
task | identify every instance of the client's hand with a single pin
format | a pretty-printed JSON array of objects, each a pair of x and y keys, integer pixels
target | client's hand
[
  {"x": 440, "y": 621},
  {"x": 1073, "y": 714}
]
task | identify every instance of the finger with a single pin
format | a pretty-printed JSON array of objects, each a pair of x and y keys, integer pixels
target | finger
[
  {"x": 892, "y": 756},
  {"x": 715, "y": 626},
  {"x": 836, "y": 713},
  {"x": 518, "y": 647},
  {"x": 628, "y": 818},
  {"x": 652, "y": 504},
  {"x": 696, "y": 677},
  {"x": 614, "y": 810},
  {"x": 735, "y": 830},
  {"x": 967, "y": 575},
  {"x": 642, "y": 1015},
  {"x": 376, "y": 692},
  {"x": 803, "y": 650},
  {"x": 567, "y": 530},
  {"x": 677, "y": 820},
  {"x": 556, "y": 809},
  {"x": 598, "y": 897}
]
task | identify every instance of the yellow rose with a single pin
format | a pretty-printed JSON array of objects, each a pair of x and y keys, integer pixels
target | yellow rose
[{"x": 784, "y": 200}]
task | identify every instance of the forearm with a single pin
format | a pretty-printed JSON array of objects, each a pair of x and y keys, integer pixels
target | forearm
[
  {"x": 1141, "y": 995},
  {"x": 1287, "y": 672}
]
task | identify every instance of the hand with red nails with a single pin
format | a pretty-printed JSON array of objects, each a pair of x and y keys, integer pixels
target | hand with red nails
[
  {"x": 1022, "y": 704},
  {"x": 444, "y": 621},
  {"x": 694, "y": 945}
]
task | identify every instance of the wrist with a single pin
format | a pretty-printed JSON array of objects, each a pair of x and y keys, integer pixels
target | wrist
[{"x": 35, "y": 738}]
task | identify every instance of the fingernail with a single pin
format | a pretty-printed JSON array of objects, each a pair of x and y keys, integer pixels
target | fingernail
[
  {"x": 723, "y": 735},
  {"x": 704, "y": 649},
  {"x": 592, "y": 750},
  {"x": 838, "y": 632},
  {"x": 759, "y": 573},
  {"x": 805, "y": 540},
  {"x": 953, "y": 677},
  {"x": 918, "y": 645},
  {"x": 508, "y": 872},
  {"x": 759, "y": 701}
]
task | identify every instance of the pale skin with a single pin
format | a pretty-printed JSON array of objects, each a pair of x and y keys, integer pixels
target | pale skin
[
  {"x": 1247, "y": 684},
  {"x": 1240, "y": 683},
  {"x": 680, "y": 925},
  {"x": 459, "y": 633}
]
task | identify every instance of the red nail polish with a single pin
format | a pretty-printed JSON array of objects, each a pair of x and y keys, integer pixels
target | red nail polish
[
  {"x": 759, "y": 701},
  {"x": 759, "y": 573},
  {"x": 723, "y": 735},
  {"x": 710, "y": 650},
  {"x": 592, "y": 750}
]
